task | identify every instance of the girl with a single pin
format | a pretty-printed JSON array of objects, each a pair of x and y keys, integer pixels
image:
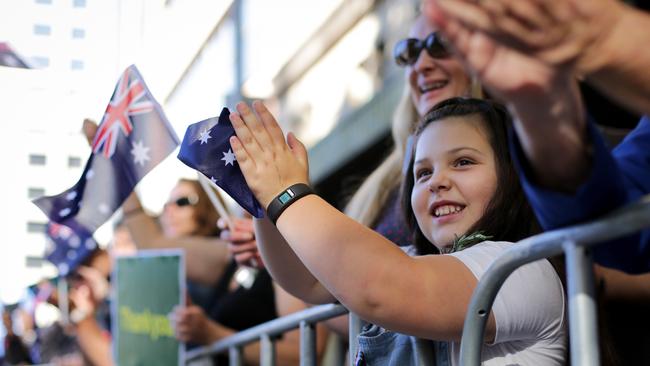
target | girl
[{"x": 459, "y": 161}]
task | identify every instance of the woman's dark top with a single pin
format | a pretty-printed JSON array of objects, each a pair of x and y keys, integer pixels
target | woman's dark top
[
  {"x": 391, "y": 223},
  {"x": 242, "y": 308}
]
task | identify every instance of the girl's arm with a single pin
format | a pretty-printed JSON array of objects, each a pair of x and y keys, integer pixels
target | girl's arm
[
  {"x": 425, "y": 297},
  {"x": 285, "y": 267}
]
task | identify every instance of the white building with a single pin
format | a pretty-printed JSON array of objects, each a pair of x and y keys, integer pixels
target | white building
[{"x": 315, "y": 62}]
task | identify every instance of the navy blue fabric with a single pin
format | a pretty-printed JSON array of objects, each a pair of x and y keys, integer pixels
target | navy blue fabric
[
  {"x": 617, "y": 178},
  {"x": 206, "y": 148}
]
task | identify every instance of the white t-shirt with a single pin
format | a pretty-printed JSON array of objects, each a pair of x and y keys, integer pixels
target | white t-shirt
[{"x": 529, "y": 311}]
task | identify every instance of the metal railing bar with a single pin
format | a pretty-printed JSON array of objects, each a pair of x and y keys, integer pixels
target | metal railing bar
[
  {"x": 583, "y": 314},
  {"x": 235, "y": 356},
  {"x": 307, "y": 344},
  {"x": 627, "y": 220},
  {"x": 271, "y": 328},
  {"x": 355, "y": 326},
  {"x": 267, "y": 351}
]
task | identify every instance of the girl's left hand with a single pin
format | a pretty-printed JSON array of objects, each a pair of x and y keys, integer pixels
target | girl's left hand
[{"x": 269, "y": 164}]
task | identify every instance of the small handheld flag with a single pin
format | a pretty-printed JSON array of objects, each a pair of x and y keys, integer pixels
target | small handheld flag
[{"x": 206, "y": 148}]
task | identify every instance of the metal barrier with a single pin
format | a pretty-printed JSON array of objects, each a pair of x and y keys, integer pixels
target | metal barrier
[
  {"x": 574, "y": 241},
  {"x": 267, "y": 332}
]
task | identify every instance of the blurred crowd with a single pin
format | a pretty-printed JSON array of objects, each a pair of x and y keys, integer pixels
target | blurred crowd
[{"x": 492, "y": 144}]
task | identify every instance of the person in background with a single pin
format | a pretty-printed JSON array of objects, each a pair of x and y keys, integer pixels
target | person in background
[{"x": 535, "y": 53}]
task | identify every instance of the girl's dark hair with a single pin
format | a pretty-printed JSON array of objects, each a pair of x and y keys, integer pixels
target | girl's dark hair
[{"x": 508, "y": 216}]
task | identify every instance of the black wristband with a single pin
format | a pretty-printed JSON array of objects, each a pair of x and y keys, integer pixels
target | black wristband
[{"x": 285, "y": 199}]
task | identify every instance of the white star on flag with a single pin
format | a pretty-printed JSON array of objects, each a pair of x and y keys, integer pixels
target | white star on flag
[
  {"x": 72, "y": 195},
  {"x": 63, "y": 269},
  {"x": 204, "y": 136},
  {"x": 90, "y": 244},
  {"x": 229, "y": 158},
  {"x": 65, "y": 212},
  {"x": 140, "y": 153},
  {"x": 213, "y": 179},
  {"x": 89, "y": 174}
]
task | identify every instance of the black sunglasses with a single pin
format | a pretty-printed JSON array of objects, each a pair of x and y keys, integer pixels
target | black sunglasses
[
  {"x": 183, "y": 201},
  {"x": 407, "y": 51}
]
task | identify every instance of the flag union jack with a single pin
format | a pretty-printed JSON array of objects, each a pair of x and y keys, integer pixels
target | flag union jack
[{"x": 127, "y": 101}]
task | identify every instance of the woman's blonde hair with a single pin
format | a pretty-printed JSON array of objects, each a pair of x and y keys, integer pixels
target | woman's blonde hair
[{"x": 369, "y": 200}]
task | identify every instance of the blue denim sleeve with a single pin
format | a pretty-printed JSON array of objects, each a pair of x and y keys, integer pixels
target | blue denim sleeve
[{"x": 607, "y": 188}]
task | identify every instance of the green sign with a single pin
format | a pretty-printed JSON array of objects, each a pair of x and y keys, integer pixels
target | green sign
[{"x": 147, "y": 287}]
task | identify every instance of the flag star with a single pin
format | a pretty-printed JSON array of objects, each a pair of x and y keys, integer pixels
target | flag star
[
  {"x": 65, "y": 212},
  {"x": 140, "y": 153},
  {"x": 213, "y": 180},
  {"x": 205, "y": 136},
  {"x": 70, "y": 196},
  {"x": 229, "y": 158},
  {"x": 63, "y": 269},
  {"x": 74, "y": 242},
  {"x": 103, "y": 208},
  {"x": 89, "y": 174},
  {"x": 72, "y": 255},
  {"x": 90, "y": 244}
]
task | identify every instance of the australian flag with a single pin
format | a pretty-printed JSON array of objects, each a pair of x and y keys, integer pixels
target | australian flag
[
  {"x": 68, "y": 247},
  {"x": 206, "y": 148},
  {"x": 132, "y": 138}
]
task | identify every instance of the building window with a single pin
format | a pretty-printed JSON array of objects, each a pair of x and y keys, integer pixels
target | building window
[
  {"x": 40, "y": 62},
  {"x": 44, "y": 2},
  {"x": 74, "y": 162},
  {"x": 79, "y": 3},
  {"x": 35, "y": 192},
  {"x": 78, "y": 33},
  {"x": 34, "y": 262},
  {"x": 76, "y": 65},
  {"x": 35, "y": 227},
  {"x": 42, "y": 29},
  {"x": 37, "y": 159}
]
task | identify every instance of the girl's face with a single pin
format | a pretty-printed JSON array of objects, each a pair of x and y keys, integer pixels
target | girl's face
[
  {"x": 455, "y": 178},
  {"x": 178, "y": 217},
  {"x": 433, "y": 80}
]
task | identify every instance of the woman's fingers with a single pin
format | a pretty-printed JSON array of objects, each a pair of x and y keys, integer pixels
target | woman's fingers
[{"x": 244, "y": 247}]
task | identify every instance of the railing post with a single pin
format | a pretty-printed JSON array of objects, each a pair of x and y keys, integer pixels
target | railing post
[
  {"x": 236, "y": 356},
  {"x": 267, "y": 355},
  {"x": 583, "y": 318},
  {"x": 355, "y": 328},
  {"x": 307, "y": 344}
]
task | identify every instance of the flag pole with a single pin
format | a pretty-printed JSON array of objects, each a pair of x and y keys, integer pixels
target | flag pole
[
  {"x": 207, "y": 185},
  {"x": 218, "y": 205}
]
